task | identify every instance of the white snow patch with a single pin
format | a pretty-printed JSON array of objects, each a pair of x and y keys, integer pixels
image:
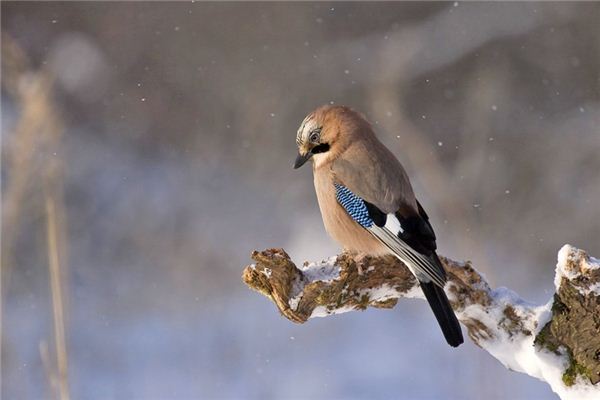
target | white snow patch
[
  {"x": 568, "y": 254},
  {"x": 516, "y": 351},
  {"x": 267, "y": 272},
  {"x": 322, "y": 311},
  {"x": 296, "y": 293},
  {"x": 382, "y": 293},
  {"x": 324, "y": 271},
  {"x": 595, "y": 288},
  {"x": 294, "y": 301},
  {"x": 562, "y": 266},
  {"x": 449, "y": 293},
  {"x": 414, "y": 292}
]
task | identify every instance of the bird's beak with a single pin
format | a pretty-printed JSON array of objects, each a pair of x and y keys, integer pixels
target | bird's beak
[{"x": 302, "y": 158}]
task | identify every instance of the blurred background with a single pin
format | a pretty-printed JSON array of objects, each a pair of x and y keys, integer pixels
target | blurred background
[{"x": 147, "y": 150}]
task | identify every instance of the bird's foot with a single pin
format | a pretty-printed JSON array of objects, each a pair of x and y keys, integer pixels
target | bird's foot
[{"x": 362, "y": 263}]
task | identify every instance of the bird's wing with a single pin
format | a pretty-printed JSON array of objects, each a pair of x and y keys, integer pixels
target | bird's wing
[
  {"x": 417, "y": 231},
  {"x": 387, "y": 229},
  {"x": 374, "y": 174}
]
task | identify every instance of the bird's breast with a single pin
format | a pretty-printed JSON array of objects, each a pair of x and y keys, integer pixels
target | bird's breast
[{"x": 338, "y": 224}]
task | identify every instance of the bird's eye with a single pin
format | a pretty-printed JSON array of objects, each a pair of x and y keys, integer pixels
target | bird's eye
[{"x": 314, "y": 136}]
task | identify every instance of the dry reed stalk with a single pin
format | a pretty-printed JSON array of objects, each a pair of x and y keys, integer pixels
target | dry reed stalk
[
  {"x": 37, "y": 131},
  {"x": 46, "y": 362},
  {"x": 57, "y": 298}
]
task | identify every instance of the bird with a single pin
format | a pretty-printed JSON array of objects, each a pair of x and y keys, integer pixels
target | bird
[{"x": 368, "y": 204}]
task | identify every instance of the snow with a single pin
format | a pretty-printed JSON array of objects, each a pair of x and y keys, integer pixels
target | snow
[
  {"x": 515, "y": 349},
  {"x": 322, "y": 311},
  {"x": 518, "y": 353},
  {"x": 324, "y": 271},
  {"x": 570, "y": 267},
  {"x": 593, "y": 288},
  {"x": 382, "y": 293},
  {"x": 267, "y": 272},
  {"x": 562, "y": 270},
  {"x": 415, "y": 292}
]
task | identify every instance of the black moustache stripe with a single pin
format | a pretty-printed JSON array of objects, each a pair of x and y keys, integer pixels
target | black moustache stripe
[{"x": 322, "y": 148}]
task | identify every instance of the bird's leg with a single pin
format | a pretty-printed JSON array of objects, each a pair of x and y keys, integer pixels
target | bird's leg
[{"x": 362, "y": 264}]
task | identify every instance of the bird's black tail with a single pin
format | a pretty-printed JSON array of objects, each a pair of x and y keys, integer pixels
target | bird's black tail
[
  {"x": 436, "y": 297},
  {"x": 418, "y": 233}
]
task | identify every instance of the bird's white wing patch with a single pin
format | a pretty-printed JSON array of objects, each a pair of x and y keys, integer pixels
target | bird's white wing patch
[{"x": 393, "y": 225}]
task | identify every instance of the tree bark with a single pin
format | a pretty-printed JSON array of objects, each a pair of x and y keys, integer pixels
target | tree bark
[{"x": 558, "y": 342}]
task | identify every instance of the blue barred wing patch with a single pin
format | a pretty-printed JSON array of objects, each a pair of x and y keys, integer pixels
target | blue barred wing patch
[{"x": 354, "y": 205}]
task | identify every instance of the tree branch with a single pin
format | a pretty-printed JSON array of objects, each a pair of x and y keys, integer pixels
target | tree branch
[{"x": 558, "y": 342}]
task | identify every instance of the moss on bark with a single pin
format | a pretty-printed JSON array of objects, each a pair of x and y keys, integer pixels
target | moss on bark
[{"x": 575, "y": 325}]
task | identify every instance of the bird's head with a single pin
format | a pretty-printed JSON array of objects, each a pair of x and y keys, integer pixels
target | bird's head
[{"x": 324, "y": 133}]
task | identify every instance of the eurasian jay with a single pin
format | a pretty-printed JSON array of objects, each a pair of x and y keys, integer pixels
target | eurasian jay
[{"x": 368, "y": 204}]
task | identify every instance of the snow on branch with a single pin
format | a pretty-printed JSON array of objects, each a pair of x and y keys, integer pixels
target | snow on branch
[{"x": 558, "y": 342}]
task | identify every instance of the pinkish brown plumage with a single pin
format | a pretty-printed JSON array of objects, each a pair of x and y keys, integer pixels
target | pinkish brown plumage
[{"x": 367, "y": 202}]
